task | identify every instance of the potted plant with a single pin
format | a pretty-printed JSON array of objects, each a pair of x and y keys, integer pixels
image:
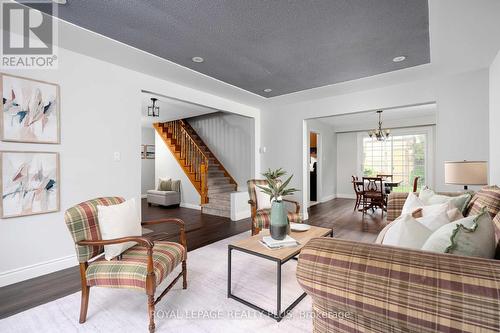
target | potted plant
[{"x": 277, "y": 189}]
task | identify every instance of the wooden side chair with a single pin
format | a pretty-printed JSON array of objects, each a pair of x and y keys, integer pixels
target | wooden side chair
[
  {"x": 358, "y": 189},
  {"x": 261, "y": 218},
  {"x": 142, "y": 267},
  {"x": 373, "y": 194},
  {"x": 415, "y": 184}
]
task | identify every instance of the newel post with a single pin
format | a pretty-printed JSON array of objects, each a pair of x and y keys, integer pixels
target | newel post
[{"x": 204, "y": 190}]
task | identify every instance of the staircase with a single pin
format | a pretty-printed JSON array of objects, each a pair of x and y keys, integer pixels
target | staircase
[{"x": 206, "y": 173}]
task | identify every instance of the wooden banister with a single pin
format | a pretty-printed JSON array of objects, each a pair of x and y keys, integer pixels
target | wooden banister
[
  {"x": 188, "y": 128},
  {"x": 188, "y": 154}
]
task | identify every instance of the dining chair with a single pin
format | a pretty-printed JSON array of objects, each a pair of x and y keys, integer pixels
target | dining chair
[
  {"x": 358, "y": 189},
  {"x": 385, "y": 177},
  {"x": 373, "y": 194},
  {"x": 142, "y": 267},
  {"x": 415, "y": 184}
]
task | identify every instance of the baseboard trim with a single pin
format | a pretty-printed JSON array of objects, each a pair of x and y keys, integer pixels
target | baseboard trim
[
  {"x": 328, "y": 198},
  {"x": 190, "y": 206},
  {"x": 241, "y": 215},
  {"x": 35, "y": 270},
  {"x": 346, "y": 196}
]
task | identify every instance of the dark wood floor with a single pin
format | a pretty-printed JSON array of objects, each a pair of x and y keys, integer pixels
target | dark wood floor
[{"x": 201, "y": 230}]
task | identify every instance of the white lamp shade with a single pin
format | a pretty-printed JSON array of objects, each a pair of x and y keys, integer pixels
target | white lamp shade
[{"x": 466, "y": 173}]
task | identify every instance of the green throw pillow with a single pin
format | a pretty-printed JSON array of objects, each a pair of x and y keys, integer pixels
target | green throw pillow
[{"x": 472, "y": 236}]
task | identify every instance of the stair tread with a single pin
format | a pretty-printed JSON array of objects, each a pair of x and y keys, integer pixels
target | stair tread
[{"x": 215, "y": 206}]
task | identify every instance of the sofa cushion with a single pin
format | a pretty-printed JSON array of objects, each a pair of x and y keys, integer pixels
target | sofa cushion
[
  {"x": 471, "y": 236},
  {"x": 131, "y": 271},
  {"x": 407, "y": 232},
  {"x": 429, "y": 197},
  {"x": 163, "y": 193},
  {"x": 489, "y": 197}
]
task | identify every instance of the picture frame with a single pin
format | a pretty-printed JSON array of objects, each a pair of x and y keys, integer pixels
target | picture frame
[
  {"x": 29, "y": 183},
  {"x": 150, "y": 152},
  {"x": 30, "y": 111}
]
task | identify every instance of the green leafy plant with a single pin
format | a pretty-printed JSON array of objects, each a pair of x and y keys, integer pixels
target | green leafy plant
[{"x": 276, "y": 188}]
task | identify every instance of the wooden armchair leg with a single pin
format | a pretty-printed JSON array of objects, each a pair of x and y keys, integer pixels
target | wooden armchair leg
[
  {"x": 184, "y": 275},
  {"x": 151, "y": 311},
  {"x": 255, "y": 230},
  {"x": 84, "y": 304},
  {"x": 85, "y": 293}
]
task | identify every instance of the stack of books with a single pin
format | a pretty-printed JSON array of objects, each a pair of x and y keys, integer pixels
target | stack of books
[{"x": 271, "y": 243}]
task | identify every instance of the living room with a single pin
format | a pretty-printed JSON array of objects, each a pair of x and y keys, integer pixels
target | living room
[{"x": 290, "y": 65}]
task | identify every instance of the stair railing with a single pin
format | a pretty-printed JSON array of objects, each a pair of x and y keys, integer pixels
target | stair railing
[{"x": 194, "y": 158}]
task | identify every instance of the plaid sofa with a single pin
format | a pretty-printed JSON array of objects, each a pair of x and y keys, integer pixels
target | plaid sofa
[{"x": 359, "y": 287}]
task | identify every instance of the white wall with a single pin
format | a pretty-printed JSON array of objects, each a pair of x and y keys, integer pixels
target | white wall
[
  {"x": 327, "y": 159},
  {"x": 494, "y": 165},
  {"x": 166, "y": 166},
  {"x": 100, "y": 115},
  {"x": 231, "y": 138},
  {"x": 462, "y": 122},
  {"x": 347, "y": 157},
  {"x": 461, "y": 133},
  {"x": 147, "y": 165}
]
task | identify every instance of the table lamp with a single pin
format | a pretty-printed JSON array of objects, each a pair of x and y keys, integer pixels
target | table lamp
[{"x": 466, "y": 173}]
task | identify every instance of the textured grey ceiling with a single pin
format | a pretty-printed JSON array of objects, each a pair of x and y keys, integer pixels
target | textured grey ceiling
[{"x": 285, "y": 45}]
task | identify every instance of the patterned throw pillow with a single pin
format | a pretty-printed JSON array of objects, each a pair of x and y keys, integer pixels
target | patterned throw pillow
[
  {"x": 489, "y": 197},
  {"x": 175, "y": 185},
  {"x": 165, "y": 185}
]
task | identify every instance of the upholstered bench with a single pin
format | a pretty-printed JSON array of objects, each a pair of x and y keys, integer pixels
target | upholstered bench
[{"x": 164, "y": 198}]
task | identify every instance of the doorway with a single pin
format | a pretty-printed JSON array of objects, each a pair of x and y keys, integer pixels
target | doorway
[{"x": 313, "y": 167}]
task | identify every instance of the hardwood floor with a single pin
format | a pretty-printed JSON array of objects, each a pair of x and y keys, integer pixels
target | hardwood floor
[{"x": 201, "y": 230}]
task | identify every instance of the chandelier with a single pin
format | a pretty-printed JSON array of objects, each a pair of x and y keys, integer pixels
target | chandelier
[
  {"x": 379, "y": 133},
  {"x": 153, "y": 110}
]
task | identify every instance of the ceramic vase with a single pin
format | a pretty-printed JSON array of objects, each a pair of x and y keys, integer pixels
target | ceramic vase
[{"x": 279, "y": 221}]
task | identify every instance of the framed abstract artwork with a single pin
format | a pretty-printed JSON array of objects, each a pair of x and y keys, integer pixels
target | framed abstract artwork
[
  {"x": 29, "y": 182},
  {"x": 30, "y": 110}
]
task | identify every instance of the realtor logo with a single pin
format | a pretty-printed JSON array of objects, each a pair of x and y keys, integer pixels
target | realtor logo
[{"x": 28, "y": 36}]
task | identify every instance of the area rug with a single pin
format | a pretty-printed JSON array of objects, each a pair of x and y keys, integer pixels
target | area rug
[{"x": 203, "y": 307}]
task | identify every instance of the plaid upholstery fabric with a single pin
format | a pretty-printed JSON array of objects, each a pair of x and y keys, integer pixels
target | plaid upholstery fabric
[
  {"x": 395, "y": 203},
  {"x": 389, "y": 289},
  {"x": 82, "y": 223},
  {"x": 130, "y": 272},
  {"x": 263, "y": 218},
  {"x": 489, "y": 197}
]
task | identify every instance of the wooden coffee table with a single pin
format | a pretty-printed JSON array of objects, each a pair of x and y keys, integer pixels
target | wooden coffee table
[{"x": 252, "y": 245}]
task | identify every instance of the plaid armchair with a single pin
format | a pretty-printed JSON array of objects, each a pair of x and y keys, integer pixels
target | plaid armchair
[
  {"x": 261, "y": 218},
  {"x": 142, "y": 267}
]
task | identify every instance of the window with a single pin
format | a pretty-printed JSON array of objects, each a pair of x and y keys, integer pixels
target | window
[{"x": 403, "y": 156}]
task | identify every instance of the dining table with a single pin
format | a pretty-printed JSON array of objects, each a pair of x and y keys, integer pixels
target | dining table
[{"x": 389, "y": 184}]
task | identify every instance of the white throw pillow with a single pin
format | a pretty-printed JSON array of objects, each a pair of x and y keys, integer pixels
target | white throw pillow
[
  {"x": 475, "y": 237},
  {"x": 435, "y": 221},
  {"x": 454, "y": 215},
  {"x": 412, "y": 202},
  {"x": 263, "y": 199},
  {"x": 429, "y": 197},
  {"x": 406, "y": 232},
  {"x": 117, "y": 221}
]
